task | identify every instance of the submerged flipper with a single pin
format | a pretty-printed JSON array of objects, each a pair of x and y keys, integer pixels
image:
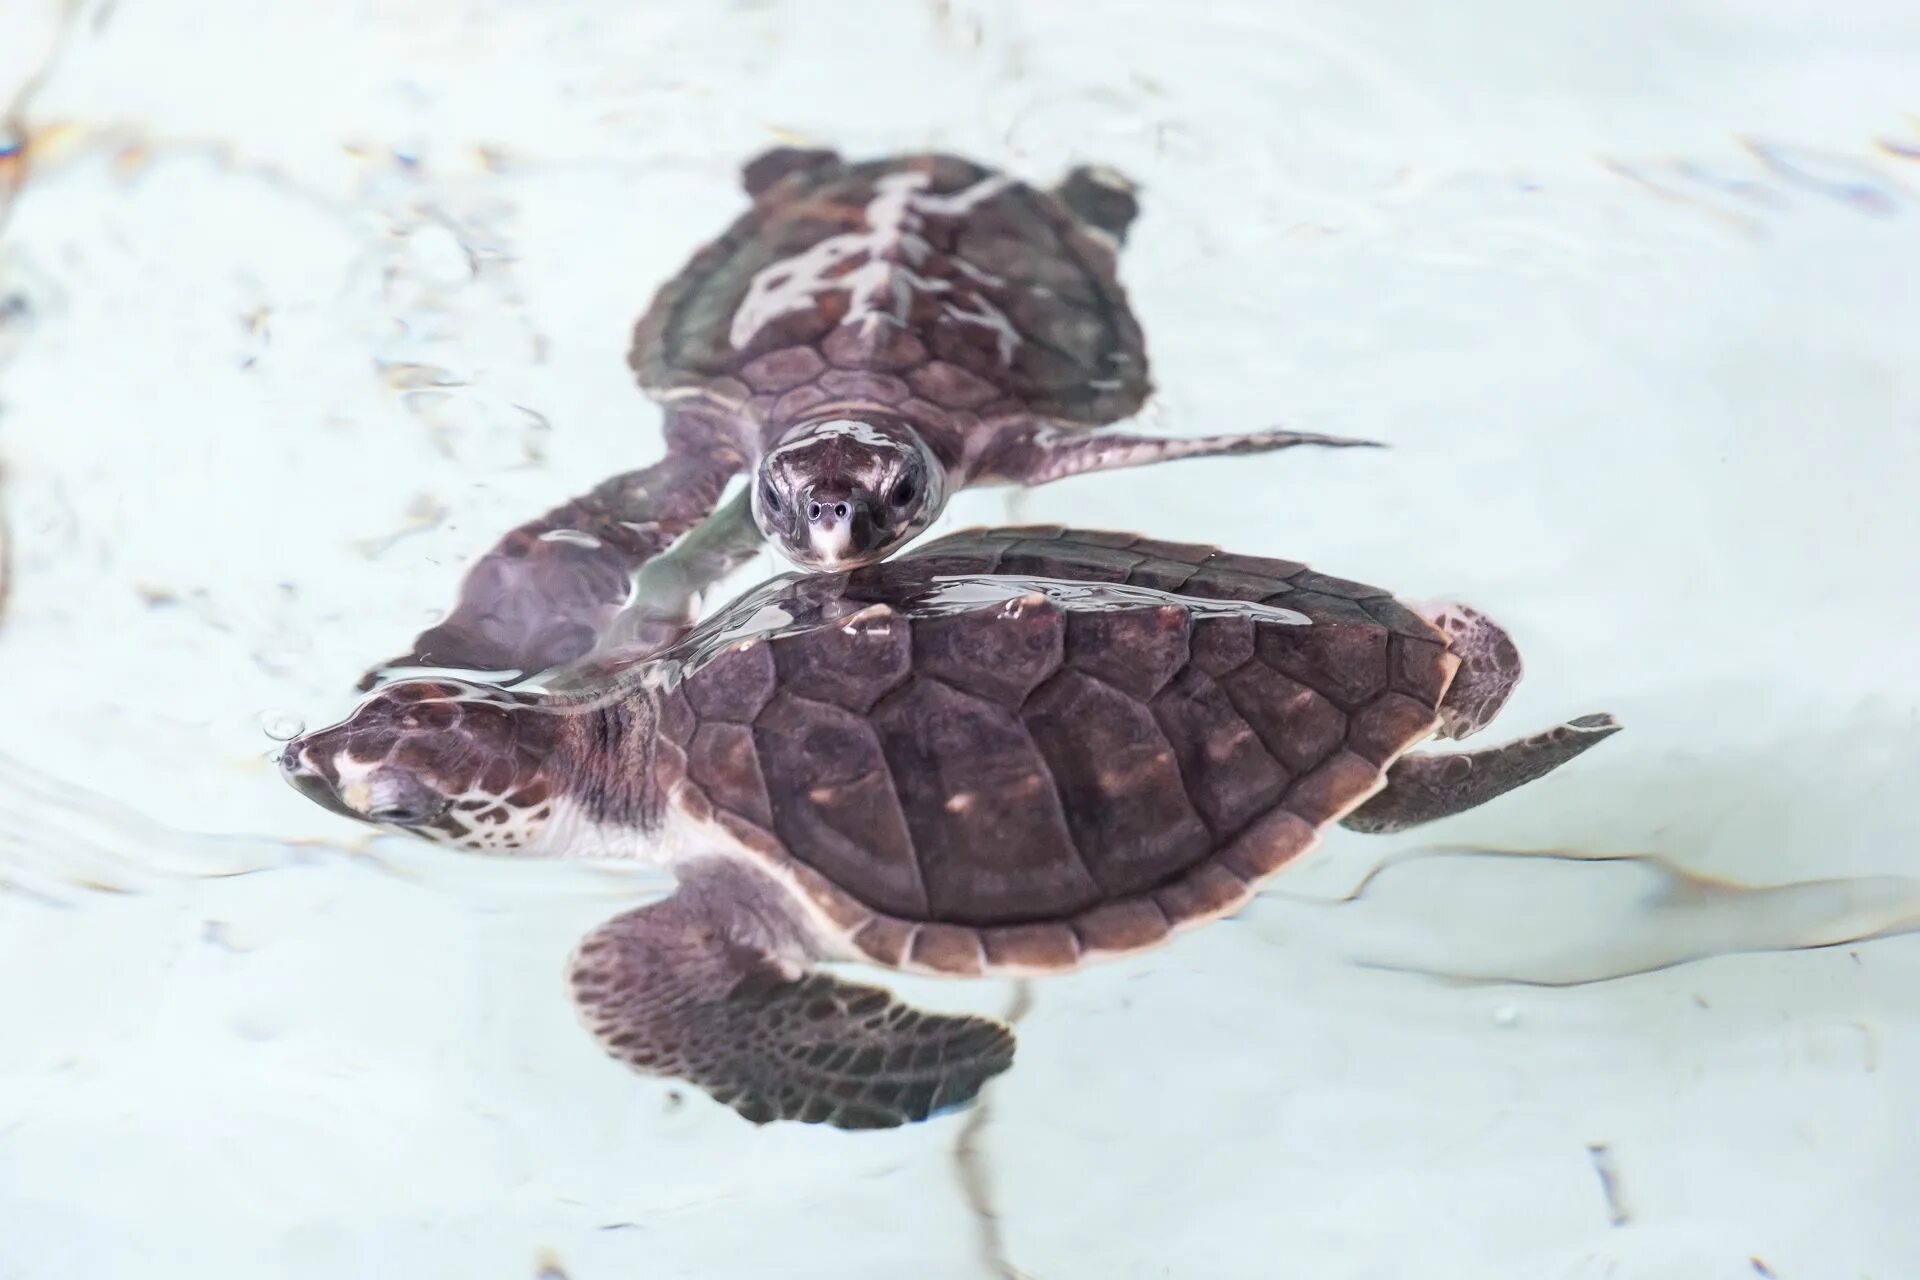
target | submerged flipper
[
  {"x": 695, "y": 987},
  {"x": 547, "y": 590},
  {"x": 1427, "y": 787},
  {"x": 1043, "y": 454},
  {"x": 667, "y": 590}
]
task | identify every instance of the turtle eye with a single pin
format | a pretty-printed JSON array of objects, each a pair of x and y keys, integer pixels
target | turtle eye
[
  {"x": 399, "y": 815},
  {"x": 769, "y": 497},
  {"x": 903, "y": 491}
]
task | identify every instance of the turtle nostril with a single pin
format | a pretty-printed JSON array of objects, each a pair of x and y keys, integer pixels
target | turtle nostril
[{"x": 828, "y": 510}]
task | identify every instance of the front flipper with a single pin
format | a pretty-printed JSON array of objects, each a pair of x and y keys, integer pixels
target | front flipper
[
  {"x": 545, "y": 592},
  {"x": 696, "y": 987},
  {"x": 1043, "y": 454},
  {"x": 1427, "y": 787},
  {"x": 668, "y": 589}
]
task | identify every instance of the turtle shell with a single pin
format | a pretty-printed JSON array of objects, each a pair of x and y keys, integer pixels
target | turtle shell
[
  {"x": 926, "y": 283},
  {"x": 1017, "y": 750}
]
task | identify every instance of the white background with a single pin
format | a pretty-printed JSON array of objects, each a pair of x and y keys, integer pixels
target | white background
[{"x": 309, "y": 302}]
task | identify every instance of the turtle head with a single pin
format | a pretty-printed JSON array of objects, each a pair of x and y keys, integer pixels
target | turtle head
[
  {"x": 837, "y": 494},
  {"x": 457, "y": 763}
]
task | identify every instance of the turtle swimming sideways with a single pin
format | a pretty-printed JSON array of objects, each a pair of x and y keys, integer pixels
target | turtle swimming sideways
[
  {"x": 866, "y": 340},
  {"x": 1007, "y": 752}
]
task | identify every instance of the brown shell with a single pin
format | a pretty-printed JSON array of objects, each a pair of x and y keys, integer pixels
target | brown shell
[
  {"x": 1010, "y": 751},
  {"x": 994, "y": 300}
]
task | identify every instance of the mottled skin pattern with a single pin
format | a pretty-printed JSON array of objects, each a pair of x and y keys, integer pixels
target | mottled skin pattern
[
  {"x": 867, "y": 340},
  {"x": 459, "y": 763},
  {"x": 1007, "y": 752}
]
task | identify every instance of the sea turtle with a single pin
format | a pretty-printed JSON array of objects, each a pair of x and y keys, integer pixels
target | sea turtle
[
  {"x": 1007, "y": 752},
  {"x": 867, "y": 339}
]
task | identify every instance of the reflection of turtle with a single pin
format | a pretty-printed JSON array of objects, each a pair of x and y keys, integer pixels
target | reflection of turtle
[
  {"x": 867, "y": 339},
  {"x": 1006, "y": 753}
]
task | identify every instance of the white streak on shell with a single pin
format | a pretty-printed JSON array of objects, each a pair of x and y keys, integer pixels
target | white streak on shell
[{"x": 882, "y": 281}]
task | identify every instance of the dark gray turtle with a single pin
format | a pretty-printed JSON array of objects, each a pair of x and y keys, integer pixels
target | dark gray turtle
[
  {"x": 1009, "y": 752},
  {"x": 867, "y": 339}
]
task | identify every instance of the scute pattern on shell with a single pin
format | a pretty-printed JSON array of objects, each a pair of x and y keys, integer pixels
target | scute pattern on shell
[
  {"x": 1079, "y": 774},
  {"x": 924, "y": 282}
]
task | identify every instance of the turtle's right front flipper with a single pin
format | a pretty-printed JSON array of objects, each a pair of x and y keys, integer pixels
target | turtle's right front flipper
[
  {"x": 702, "y": 986},
  {"x": 547, "y": 590}
]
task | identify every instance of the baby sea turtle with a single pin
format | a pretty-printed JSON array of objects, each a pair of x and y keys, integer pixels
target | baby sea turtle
[
  {"x": 867, "y": 339},
  {"x": 1010, "y": 752}
]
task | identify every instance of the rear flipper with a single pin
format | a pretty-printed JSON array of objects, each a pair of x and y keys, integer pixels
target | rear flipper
[
  {"x": 1102, "y": 197},
  {"x": 1043, "y": 453},
  {"x": 771, "y": 166},
  {"x": 548, "y": 589},
  {"x": 693, "y": 987},
  {"x": 1425, "y": 787}
]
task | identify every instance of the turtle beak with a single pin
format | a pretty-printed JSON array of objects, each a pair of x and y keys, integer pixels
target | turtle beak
[
  {"x": 386, "y": 798},
  {"x": 298, "y": 769},
  {"x": 840, "y": 530}
]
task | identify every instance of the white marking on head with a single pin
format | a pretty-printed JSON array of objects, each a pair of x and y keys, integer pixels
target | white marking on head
[
  {"x": 831, "y": 542},
  {"x": 355, "y": 782}
]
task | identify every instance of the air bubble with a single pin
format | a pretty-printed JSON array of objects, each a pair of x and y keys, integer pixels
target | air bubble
[{"x": 282, "y": 726}]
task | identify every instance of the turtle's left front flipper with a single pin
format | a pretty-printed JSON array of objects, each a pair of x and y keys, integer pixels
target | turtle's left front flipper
[
  {"x": 1042, "y": 454},
  {"x": 667, "y": 590},
  {"x": 697, "y": 987},
  {"x": 547, "y": 590},
  {"x": 1425, "y": 787}
]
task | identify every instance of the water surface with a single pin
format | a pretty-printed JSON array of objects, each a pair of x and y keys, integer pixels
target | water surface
[{"x": 301, "y": 305}]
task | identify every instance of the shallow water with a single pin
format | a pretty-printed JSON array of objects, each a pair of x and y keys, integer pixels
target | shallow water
[{"x": 301, "y": 305}]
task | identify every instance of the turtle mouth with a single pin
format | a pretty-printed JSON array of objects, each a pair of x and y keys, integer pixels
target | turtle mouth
[
  {"x": 830, "y": 546},
  {"x": 409, "y": 812},
  {"x": 388, "y": 802},
  {"x": 312, "y": 784},
  {"x": 816, "y": 559}
]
